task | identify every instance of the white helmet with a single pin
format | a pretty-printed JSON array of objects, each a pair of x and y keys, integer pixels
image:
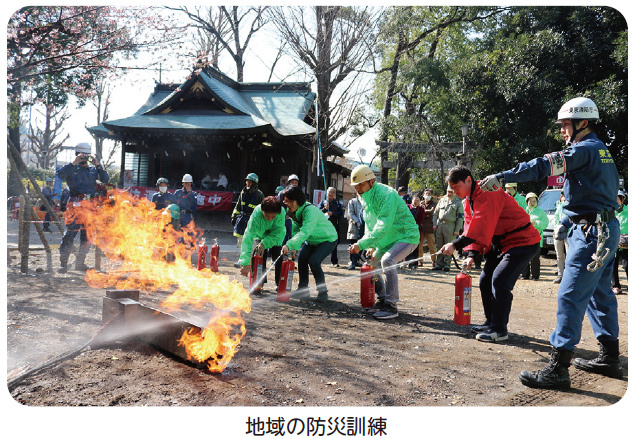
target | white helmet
[
  {"x": 293, "y": 177},
  {"x": 83, "y": 148},
  {"x": 578, "y": 108},
  {"x": 186, "y": 179}
]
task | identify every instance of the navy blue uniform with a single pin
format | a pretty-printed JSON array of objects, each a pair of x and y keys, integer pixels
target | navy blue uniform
[
  {"x": 82, "y": 184},
  {"x": 187, "y": 202},
  {"x": 163, "y": 200},
  {"x": 590, "y": 188}
]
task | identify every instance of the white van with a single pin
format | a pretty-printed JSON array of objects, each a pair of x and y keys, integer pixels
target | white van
[{"x": 547, "y": 202}]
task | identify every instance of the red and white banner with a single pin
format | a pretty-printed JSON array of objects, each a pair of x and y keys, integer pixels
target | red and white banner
[
  {"x": 556, "y": 180},
  {"x": 206, "y": 200}
]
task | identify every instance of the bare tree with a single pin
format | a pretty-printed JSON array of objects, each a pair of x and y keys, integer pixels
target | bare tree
[
  {"x": 101, "y": 102},
  {"x": 46, "y": 142},
  {"x": 225, "y": 29},
  {"x": 333, "y": 43}
]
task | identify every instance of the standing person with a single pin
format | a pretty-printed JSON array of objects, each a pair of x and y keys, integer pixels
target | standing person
[
  {"x": 448, "y": 219},
  {"x": 511, "y": 188},
  {"x": 186, "y": 200},
  {"x": 163, "y": 198},
  {"x": 426, "y": 229},
  {"x": 354, "y": 215},
  {"x": 497, "y": 226},
  {"x": 390, "y": 236},
  {"x": 591, "y": 185},
  {"x": 418, "y": 215},
  {"x": 314, "y": 235},
  {"x": 267, "y": 225},
  {"x": 248, "y": 199},
  {"x": 333, "y": 210},
  {"x": 48, "y": 193},
  {"x": 81, "y": 179},
  {"x": 559, "y": 234},
  {"x": 621, "y": 253},
  {"x": 539, "y": 220},
  {"x": 405, "y": 195}
]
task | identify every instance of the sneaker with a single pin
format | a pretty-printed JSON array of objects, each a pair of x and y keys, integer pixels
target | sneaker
[
  {"x": 63, "y": 269},
  {"x": 377, "y": 306},
  {"x": 446, "y": 268},
  {"x": 301, "y": 294},
  {"x": 237, "y": 265},
  {"x": 492, "y": 336},
  {"x": 480, "y": 328},
  {"x": 351, "y": 267},
  {"x": 81, "y": 267},
  {"x": 387, "y": 312},
  {"x": 436, "y": 267},
  {"x": 557, "y": 280}
]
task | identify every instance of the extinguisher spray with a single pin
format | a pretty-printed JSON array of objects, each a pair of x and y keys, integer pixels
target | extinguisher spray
[
  {"x": 367, "y": 285},
  {"x": 203, "y": 249},
  {"x": 256, "y": 272},
  {"x": 286, "y": 279},
  {"x": 214, "y": 256},
  {"x": 463, "y": 292}
]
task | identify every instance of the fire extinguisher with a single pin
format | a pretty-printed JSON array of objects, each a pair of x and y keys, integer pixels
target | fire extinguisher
[
  {"x": 367, "y": 285},
  {"x": 256, "y": 272},
  {"x": 463, "y": 292},
  {"x": 286, "y": 279},
  {"x": 203, "y": 249},
  {"x": 214, "y": 256}
]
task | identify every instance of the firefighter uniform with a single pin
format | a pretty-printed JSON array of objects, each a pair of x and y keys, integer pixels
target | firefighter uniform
[
  {"x": 187, "y": 202},
  {"x": 82, "y": 184},
  {"x": 590, "y": 188}
]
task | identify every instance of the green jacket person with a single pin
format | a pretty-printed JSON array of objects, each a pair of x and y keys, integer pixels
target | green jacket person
[
  {"x": 316, "y": 238},
  {"x": 391, "y": 234}
]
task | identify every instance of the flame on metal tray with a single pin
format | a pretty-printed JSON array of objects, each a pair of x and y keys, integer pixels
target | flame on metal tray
[{"x": 151, "y": 255}]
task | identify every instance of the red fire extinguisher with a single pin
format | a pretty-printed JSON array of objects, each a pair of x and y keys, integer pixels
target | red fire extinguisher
[
  {"x": 256, "y": 272},
  {"x": 463, "y": 293},
  {"x": 214, "y": 256},
  {"x": 203, "y": 249},
  {"x": 367, "y": 285},
  {"x": 285, "y": 281}
]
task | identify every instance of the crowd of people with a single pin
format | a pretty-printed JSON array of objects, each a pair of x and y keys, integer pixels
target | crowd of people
[{"x": 484, "y": 220}]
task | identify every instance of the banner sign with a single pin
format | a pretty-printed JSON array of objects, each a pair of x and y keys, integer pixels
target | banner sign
[{"x": 206, "y": 200}]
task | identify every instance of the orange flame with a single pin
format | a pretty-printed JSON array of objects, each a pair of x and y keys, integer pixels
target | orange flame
[{"x": 133, "y": 234}]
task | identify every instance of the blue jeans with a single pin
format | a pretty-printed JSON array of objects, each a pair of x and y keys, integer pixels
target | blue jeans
[
  {"x": 498, "y": 278},
  {"x": 311, "y": 256},
  {"x": 388, "y": 290},
  {"x": 581, "y": 290}
]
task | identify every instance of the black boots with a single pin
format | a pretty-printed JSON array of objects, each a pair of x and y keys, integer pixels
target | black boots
[
  {"x": 554, "y": 376},
  {"x": 607, "y": 363}
]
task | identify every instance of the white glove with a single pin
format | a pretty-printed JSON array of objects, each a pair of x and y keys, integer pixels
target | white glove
[
  {"x": 260, "y": 249},
  {"x": 491, "y": 183}
]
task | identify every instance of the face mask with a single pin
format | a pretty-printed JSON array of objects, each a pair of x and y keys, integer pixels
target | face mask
[
  {"x": 163, "y": 189},
  {"x": 427, "y": 198}
]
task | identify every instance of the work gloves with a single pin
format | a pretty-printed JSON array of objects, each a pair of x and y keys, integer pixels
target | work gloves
[
  {"x": 491, "y": 183},
  {"x": 562, "y": 233},
  {"x": 260, "y": 249}
]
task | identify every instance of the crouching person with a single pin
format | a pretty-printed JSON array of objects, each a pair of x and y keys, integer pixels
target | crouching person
[
  {"x": 391, "y": 234},
  {"x": 266, "y": 224},
  {"x": 316, "y": 238}
]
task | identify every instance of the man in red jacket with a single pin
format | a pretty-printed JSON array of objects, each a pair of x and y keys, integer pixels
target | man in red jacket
[{"x": 497, "y": 226}]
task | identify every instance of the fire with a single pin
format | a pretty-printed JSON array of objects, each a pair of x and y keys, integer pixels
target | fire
[{"x": 153, "y": 256}]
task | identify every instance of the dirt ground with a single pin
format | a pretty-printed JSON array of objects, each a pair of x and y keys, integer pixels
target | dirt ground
[{"x": 300, "y": 354}]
